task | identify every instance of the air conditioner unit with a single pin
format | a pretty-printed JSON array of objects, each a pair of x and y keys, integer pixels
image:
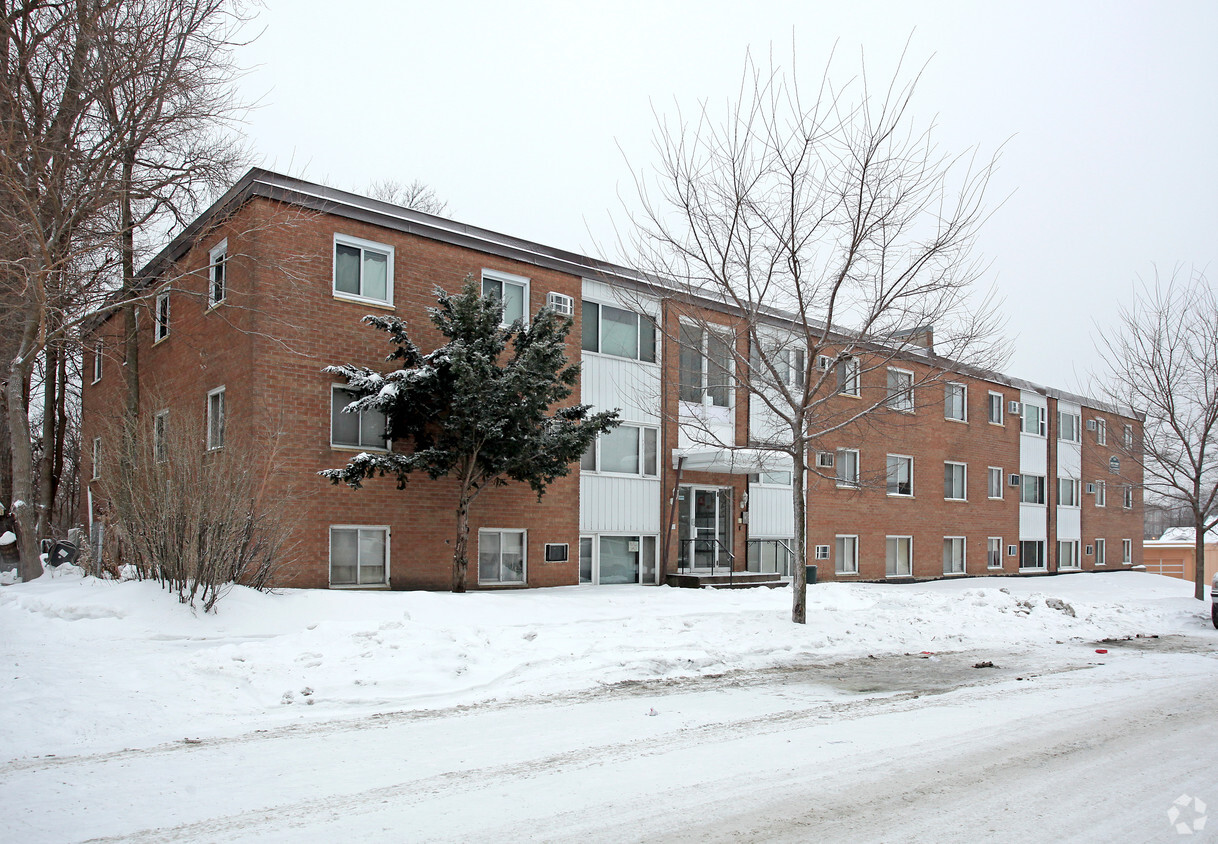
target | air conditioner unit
[
  {"x": 1090, "y": 549},
  {"x": 1012, "y": 550},
  {"x": 824, "y": 459},
  {"x": 1090, "y": 424},
  {"x": 1013, "y": 480},
  {"x": 1091, "y": 489},
  {"x": 561, "y": 303},
  {"x": 1014, "y": 407},
  {"x": 822, "y": 552},
  {"x": 824, "y": 363}
]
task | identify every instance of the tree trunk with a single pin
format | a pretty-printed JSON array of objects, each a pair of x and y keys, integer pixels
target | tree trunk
[
  {"x": 24, "y": 511},
  {"x": 131, "y": 357},
  {"x": 1198, "y": 555},
  {"x": 460, "y": 556},
  {"x": 46, "y": 461},
  {"x": 799, "y": 580}
]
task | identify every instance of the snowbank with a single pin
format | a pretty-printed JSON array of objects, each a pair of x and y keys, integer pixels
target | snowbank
[{"x": 102, "y": 665}]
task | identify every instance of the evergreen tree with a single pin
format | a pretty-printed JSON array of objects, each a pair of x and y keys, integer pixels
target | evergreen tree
[{"x": 478, "y": 408}]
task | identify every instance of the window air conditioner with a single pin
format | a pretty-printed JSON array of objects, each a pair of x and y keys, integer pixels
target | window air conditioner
[
  {"x": 1013, "y": 480},
  {"x": 824, "y": 459},
  {"x": 561, "y": 303},
  {"x": 1014, "y": 407},
  {"x": 824, "y": 363},
  {"x": 1091, "y": 489},
  {"x": 822, "y": 552},
  {"x": 1090, "y": 424}
]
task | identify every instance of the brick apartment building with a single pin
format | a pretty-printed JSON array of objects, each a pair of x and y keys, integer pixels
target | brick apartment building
[{"x": 981, "y": 474}]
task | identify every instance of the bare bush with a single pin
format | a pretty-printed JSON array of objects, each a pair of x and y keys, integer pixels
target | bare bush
[{"x": 197, "y": 520}]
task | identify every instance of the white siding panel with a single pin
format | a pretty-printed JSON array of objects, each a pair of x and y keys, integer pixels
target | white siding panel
[
  {"x": 771, "y": 513},
  {"x": 1032, "y": 522},
  {"x": 706, "y": 425},
  {"x": 1033, "y": 450},
  {"x": 1069, "y": 454},
  {"x": 1069, "y": 523},
  {"x": 619, "y": 505},
  {"x": 607, "y": 383}
]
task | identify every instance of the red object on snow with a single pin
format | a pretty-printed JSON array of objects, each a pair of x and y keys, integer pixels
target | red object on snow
[{"x": 1101, "y": 650}]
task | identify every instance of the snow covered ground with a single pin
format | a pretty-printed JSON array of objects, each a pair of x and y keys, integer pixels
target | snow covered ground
[{"x": 309, "y": 715}]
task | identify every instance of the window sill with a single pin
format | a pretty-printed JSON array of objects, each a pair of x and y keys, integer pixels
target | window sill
[
  {"x": 159, "y": 341},
  {"x": 993, "y": 568},
  {"x": 627, "y": 475},
  {"x": 957, "y": 500},
  {"x": 954, "y": 419},
  {"x": 363, "y": 300},
  {"x": 608, "y": 356},
  {"x": 213, "y": 305},
  {"x": 513, "y": 585},
  {"x": 94, "y": 381},
  {"x": 845, "y": 574},
  {"x": 1040, "y": 570},
  {"x": 359, "y": 448},
  {"x": 997, "y": 424},
  {"x": 368, "y": 587},
  {"x": 954, "y": 573},
  {"x": 899, "y": 495},
  {"x": 995, "y": 498},
  {"x": 846, "y": 486},
  {"x": 1069, "y": 568}
]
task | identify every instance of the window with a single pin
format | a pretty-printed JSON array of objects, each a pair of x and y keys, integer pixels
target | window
[
  {"x": 1101, "y": 432},
  {"x": 97, "y": 361},
  {"x": 995, "y": 482},
  {"x": 1101, "y": 494},
  {"x": 1128, "y": 438},
  {"x": 1032, "y": 554},
  {"x": 900, "y": 390},
  {"x": 848, "y": 376},
  {"x": 953, "y": 555},
  {"x": 624, "y": 450},
  {"x": 512, "y": 291},
  {"x": 1127, "y": 497},
  {"x": 900, "y": 475},
  {"x": 995, "y": 406},
  {"x": 96, "y": 458},
  {"x": 1033, "y": 420},
  {"x": 1126, "y": 551},
  {"x": 898, "y": 556},
  {"x": 1067, "y": 554},
  {"x": 359, "y": 556},
  {"x": 847, "y": 559},
  {"x": 363, "y": 269},
  {"x": 954, "y": 481},
  {"x": 614, "y": 331},
  {"x": 772, "y": 556},
  {"x": 501, "y": 556},
  {"x": 1101, "y": 552},
  {"x": 1032, "y": 489},
  {"x": 847, "y": 467},
  {"x": 1067, "y": 492},
  {"x": 160, "y": 436},
  {"x": 1069, "y": 427},
  {"x": 216, "y": 272},
  {"x": 160, "y": 319},
  {"x": 215, "y": 419},
  {"x": 771, "y": 478},
  {"x": 993, "y": 553},
  {"x": 705, "y": 367},
  {"x": 358, "y": 429},
  {"x": 955, "y": 402}
]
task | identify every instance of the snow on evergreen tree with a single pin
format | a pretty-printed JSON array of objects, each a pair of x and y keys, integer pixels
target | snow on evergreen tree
[{"x": 478, "y": 408}]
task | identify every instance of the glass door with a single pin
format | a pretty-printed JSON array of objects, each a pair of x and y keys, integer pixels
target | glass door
[{"x": 704, "y": 527}]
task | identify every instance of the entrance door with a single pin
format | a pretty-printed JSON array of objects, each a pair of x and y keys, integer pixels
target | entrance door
[{"x": 704, "y": 527}]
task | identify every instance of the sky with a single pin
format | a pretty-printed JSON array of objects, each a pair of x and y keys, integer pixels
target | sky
[{"x": 530, "y": 117}]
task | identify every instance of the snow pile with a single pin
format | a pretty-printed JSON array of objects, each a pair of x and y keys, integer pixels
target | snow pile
[{"x": 103, "y": 665}]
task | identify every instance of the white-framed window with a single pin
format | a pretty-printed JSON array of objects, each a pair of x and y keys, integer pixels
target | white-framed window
[
  {"x": 822, "y": 552},
  {"x": 96, "y": 459},
  {"x": 955, "y": 401},
  {"x": 1032, "y": 420},
  {"x": 900, "y": 475},
  {"x": 1069, "y": 427},
  {"x": 1031, "y": 489},
  {"x": 1128, "y": 438},
  {"x": 160, "y": 436},
  {"x": 1101, "y": 431},
  {"x": 216, "y": 413},
  {"x": 501, "y": 556},
  {"x": 624, "y": 450},
  {"x": 1067, "y": 492},
  {"x": 994, "y": 483},
  {"x": 1126, "y": 551},
  {"x": 1032, "y": 554},
  {"x": 217, "y": 271},
  {"x": 97, "y": 361},
  {"x": 1101, "y": 552},
  {"x": 955, "y": 481},
  {"x": 1127, "y": 497},
  {"x": 363, "y": 269},
  {"x": 160, "y": 316},
  {"x": 511, "y": 290},
  {"x": 359, "y": 555},
  {"x": 847, "y": 467},
  {"x": 993, "y": 553},
  {"x": 898, "y": 556},
  {"x": 1101, "y": 494},
  {"x": 1067, "y": 554},
  {"x": 358, "y": 429},
  {"x": 996, "y": 409},
  {"x": 846, "y": 560},
  {"x": 771, "y": 478},
  {"x": 953, "y": 554},
  {"x": 705, "y": 364},
  {"x": 900, "y": 390},
  {"x": 609, "y": 330},
  {"x": 848, "y": 376}
]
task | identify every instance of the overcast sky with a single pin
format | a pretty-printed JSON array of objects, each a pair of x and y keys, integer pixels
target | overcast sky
[{"x": 526, "y": 118}]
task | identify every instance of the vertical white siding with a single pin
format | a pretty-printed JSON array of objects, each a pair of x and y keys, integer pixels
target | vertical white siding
[
  {"x": 771, "y": 513},
  {"x": 619, "y": 505},
  {"x": 1070, "y": 465},
  {"x": 608, "y": 382},
  {"x": 1033, "y": 460}
]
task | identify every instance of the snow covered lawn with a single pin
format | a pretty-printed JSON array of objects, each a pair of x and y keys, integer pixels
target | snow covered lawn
[{"x": 99, "y": 666}]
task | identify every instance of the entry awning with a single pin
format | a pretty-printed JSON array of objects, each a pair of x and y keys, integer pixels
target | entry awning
[{"x": 735, "y": 461}]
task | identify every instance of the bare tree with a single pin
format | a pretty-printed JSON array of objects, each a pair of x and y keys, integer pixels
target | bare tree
[
  {"x": 417, "y": 195},
  {"x": 1162, "y": 359},
  {"x": 822, "y": 227}
]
